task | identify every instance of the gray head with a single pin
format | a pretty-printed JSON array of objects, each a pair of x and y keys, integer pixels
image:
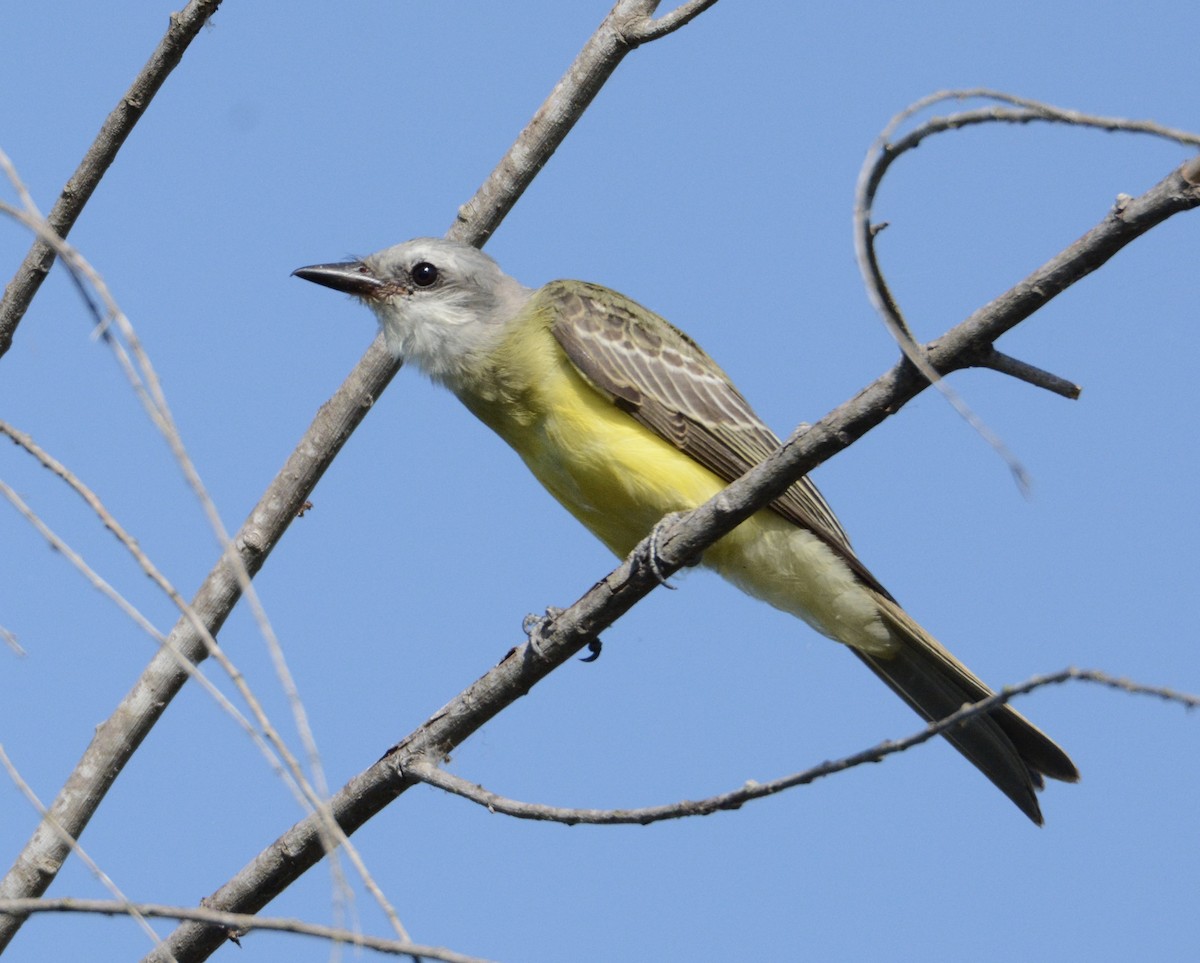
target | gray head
[{"x": 441, "y": 304}]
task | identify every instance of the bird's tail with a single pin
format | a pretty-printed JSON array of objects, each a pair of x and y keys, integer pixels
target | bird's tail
[{"x": 1005, "y": 746}]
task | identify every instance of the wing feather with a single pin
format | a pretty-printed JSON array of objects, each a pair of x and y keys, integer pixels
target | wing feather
[{"x": 665, "y": 381}]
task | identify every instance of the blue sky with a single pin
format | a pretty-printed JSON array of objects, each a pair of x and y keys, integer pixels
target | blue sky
[{"x": 712, "y": 181}]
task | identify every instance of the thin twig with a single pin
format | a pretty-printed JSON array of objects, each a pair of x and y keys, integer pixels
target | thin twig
[
  {"x": 97, "y": 581},
  {"x": 266, "y": 737},
  {"x": 183, "y": 29},
  {"x": 10, "y": 640},
  {"x": 143, "y": 378},
  {"x": 429, "y": 772},
  {"x": 57, "y": 543},
  {"x": 883, "y": 153},
  {"x": 1030, "y": 110},
  {"x": 644, "y": 30},
  {"x": 105, "y": 880},
  {"x": 1030, "y": 374},
  {"x": 236, "y": 924},
  {"x": 550, "y": 125}
]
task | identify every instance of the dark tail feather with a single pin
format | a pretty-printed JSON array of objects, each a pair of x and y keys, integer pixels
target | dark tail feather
[{"x": 1006, "y": 747}]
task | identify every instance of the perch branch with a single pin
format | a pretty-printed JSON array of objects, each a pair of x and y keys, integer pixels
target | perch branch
[{"x": 681, "y": 539}]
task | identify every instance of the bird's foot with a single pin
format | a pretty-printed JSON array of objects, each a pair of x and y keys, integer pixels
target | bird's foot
[
  {"x": 654, "y": 556},
  {"x": 534, "y": 625}
]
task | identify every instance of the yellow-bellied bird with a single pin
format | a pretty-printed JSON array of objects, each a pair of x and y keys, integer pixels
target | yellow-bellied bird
[{"x": 625, "y": 419}]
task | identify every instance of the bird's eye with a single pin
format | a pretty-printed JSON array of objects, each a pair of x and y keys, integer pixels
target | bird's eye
[{"x": 424, "y": 274}]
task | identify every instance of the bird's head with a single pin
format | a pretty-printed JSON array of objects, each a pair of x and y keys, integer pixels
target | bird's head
[{"x": 442, "y": 304}]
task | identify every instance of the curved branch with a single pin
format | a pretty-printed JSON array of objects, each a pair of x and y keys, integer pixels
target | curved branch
[
  {"x": 883, "y": 153},
  {"x": 428, "y": 772},
  {"x": 678, "y": 540}
]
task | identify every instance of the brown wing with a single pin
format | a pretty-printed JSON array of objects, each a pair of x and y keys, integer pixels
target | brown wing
[{"x": 666, "y": 382}]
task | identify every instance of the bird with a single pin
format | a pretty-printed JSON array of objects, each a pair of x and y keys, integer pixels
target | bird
[{"x": 624, "y": 419}]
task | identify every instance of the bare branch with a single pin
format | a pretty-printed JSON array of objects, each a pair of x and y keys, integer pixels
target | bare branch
[
  {"x": 130, "y": 544},
  {"x": 112, "y": 322},
  {"x": 427, "y": 771},
  {"x": 266, "y": 737},
  {"x": 183, "y": 29},
  {"x": 883, "y": 153},
  {"x": 1023, "y": 371},
  {"x": 105, "y": 880},
  {"x": 961, "y": 347},
  {"x": 119, "y": 737},
  {"x": 536, "y": 144},
  {"x": 679, "y": 540},
  {"x": 1029, "y": 112},
  {"x": 11, "y": 641},
  {"x": 648, "y": 29},
  {"x": 236, "y": 924},
  {"x": 97, "y": 582}
]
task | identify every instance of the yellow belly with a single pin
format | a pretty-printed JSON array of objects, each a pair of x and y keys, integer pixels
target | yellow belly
[{"x": 619, "y": 479}]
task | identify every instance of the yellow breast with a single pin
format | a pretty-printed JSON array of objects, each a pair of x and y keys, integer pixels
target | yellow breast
[
  {"x": 616, "y": 476},
  {"x": 619, "y": 479}
]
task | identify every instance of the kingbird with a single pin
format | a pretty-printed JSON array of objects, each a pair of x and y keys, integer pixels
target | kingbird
[{"x": 624, "y": 419}]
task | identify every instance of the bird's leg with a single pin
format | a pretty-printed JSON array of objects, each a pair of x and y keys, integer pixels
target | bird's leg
[
  {"x": 653, "y": 557},
  {"x": 533, "y": 625}
]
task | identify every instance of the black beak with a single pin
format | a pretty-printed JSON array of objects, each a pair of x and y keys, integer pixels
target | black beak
[{"x": 352, "y": 277}]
